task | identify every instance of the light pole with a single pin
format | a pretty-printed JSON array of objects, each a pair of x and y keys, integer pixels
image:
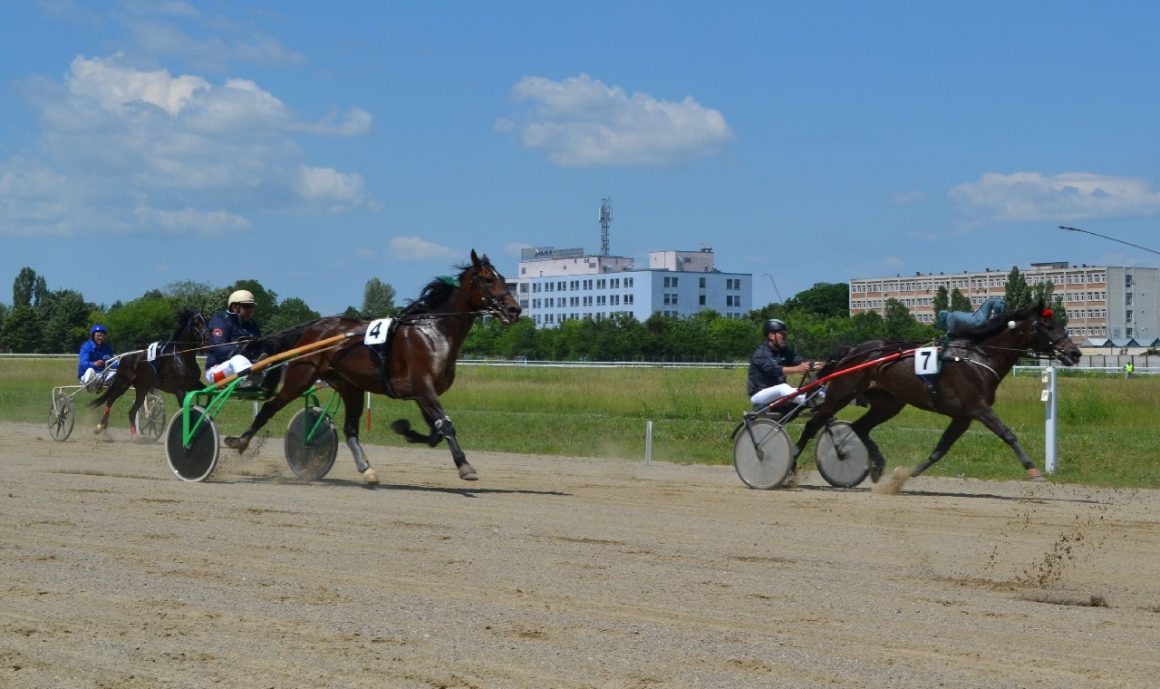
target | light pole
[
  {"x": 775, "y": 290},
  {"x": 1104, "y": 236}
]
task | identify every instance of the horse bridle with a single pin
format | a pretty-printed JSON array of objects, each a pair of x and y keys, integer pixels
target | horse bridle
[
  {"x": 1054, "y": 344},
  {"x": 491, "y": 303}
]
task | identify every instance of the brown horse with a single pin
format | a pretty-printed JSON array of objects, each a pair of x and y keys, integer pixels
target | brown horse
[
  {"x": 416, "y": 363},
  {"x": 974, "y": 362},
  {"x": 173, "y": 369}
]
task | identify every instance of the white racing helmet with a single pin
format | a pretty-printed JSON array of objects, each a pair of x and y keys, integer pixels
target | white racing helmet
[{"x": 241, "y": 296}]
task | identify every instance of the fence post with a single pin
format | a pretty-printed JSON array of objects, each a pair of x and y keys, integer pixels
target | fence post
[
  {"x": 648, "y": 442},
  {"x": 1049, "y": 397}
]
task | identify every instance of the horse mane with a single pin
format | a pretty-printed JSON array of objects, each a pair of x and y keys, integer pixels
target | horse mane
[
  {"x": 184, "y": 316},
  {"x": 996, "y": 324},
  {"x": 439, "y": 290}
]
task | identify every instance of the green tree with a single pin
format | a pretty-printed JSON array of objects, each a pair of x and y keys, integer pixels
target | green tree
[
  {"x": 139, "y": 322},
  {"x": 22, "y": 330},
  {"x": 65, "y": 318},
  {"x": 960, "y": 301},
  {"x": 291, "y": 312},
  {"x": 1016, "y": 292},
  {"x": 378, "y": 299},
  {"x": 198, "y": 296},
  {"x": 942, "y": 301},
  {"x": 23, "y": 286},
  {"x": 900, "y": 326},
  {"x": 823, "y": 299}
]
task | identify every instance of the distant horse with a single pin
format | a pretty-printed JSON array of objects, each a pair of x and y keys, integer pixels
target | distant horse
[
  {"x": 974, "y": 362},
  {"x": 416, "y": 363},
  {"x": 173, "y": 369},
  {"x": 954, "y": 321}
]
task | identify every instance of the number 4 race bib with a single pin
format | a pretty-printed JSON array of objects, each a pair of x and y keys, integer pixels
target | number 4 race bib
[{"x": 377, "y": 331}]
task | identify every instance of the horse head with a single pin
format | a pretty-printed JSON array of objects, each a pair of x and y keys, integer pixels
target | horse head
[
  {"x": 192, "y": 328},
  {"x": 487, "y": 290},
  {"x": 1050, "y": 337}
]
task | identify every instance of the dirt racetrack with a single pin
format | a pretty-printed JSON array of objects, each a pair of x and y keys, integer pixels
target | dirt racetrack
[{"x": 551, "y": 573}]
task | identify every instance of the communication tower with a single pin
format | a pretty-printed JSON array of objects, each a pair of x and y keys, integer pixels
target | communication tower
[{"x": 605, "y": 221}]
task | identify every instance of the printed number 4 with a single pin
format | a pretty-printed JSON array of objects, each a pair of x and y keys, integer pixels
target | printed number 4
[{"x": 377, "y": 331}]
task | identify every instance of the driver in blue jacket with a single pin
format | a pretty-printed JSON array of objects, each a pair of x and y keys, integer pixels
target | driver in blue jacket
[{"x": 96, "y": 363}]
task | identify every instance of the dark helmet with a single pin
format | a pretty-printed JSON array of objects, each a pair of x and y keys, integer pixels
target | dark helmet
[
  {"x": 774, "y": 325},
  {"x": 98, "y": 328}
]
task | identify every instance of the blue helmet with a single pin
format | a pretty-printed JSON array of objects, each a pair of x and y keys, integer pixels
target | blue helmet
[{"x": 98, "y": 328}]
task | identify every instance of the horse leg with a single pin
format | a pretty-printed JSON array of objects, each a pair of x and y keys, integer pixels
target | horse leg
[
  {"x": 989, "y": 419},
  {"x": 441, "y": 424},
  {"x": 138, "y": 402},
  {"x": 112, "y": 394},
  {"x": 352, "y": 400},
  {"x": 882, "y": 409},
  {"x": 953, "y": 432}
]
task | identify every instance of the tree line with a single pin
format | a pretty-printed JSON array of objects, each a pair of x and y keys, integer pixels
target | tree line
[{"x": 46, "y": 321}]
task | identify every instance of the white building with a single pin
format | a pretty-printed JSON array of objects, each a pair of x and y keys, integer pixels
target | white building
[
  {"x": 555, "y": 285},
  {"x": 1101, "y": 301}
]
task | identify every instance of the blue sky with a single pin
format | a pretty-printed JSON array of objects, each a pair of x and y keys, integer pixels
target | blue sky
[{"x": 315, "y": 146}]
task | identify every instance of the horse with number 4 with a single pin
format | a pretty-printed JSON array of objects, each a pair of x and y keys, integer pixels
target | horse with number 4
[
  {"x": 411, "y": 357},
  {"x": 957, "y": 379}
]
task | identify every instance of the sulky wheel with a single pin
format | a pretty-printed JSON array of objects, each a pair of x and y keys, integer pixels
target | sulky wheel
[
  {"x": 61, "y": 417},
  {"x": 762, "y": 453},
  {"x": 841, "y": 456},
  {"x": 311, "y": 460},
  {"x": 196, "y": 462},
  {"x": 151, "y": 418}
]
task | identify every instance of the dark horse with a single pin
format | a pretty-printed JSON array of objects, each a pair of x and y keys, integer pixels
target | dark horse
[
  {"x": 416, "y": 363},
  {"x": 973, "y": 362},
  {"x": 173, "y": 369}
]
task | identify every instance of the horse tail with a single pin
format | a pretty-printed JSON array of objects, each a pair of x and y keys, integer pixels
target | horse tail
[{"x": 117, "y": 386}]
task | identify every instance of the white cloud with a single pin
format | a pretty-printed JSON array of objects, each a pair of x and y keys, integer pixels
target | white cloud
[
  {"x": 329, "y": 186},
  {"x": 515, "y": 248},
  {"x": 191, "y": 221},
  {"x": 418, "y": 249},
  {"x": 116, "y": 139},
  {"x": 1032, "y": 196},
  {"x": 580, "y": 121}
]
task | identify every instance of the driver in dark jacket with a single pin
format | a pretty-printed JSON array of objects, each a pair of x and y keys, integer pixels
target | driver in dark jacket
[
  {"x": 235, "y": 324},
  {"x": 770, "y": 363}
]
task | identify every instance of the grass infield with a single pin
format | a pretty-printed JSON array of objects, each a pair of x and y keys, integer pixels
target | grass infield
[{"x": 1106, "y": 430}]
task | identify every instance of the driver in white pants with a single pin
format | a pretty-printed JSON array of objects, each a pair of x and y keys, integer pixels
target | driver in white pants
[{"x": 770, "y": 363}]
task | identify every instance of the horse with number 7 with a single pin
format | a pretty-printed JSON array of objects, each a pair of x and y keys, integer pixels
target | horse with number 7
[
  {"x": 411, "y": 357},
  {"x": 962, "y": 385}
]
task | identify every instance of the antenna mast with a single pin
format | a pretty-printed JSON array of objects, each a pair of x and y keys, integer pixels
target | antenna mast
[{"x": 605, "y": 221}]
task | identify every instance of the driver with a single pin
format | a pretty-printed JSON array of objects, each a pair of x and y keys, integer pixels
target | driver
[
  {"x": 235, "y": 324},
  {"x": 96, "y": 363},
  {"x": 770, "y": 363}
]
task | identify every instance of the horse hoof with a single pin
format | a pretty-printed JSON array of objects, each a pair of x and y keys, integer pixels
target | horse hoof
[
  {"x": 467, "y": 473},
  {"x": 1034, "y": 475},
  {"x": 98, "y": 430},
  {"x": 371, "y": 476},
  {"x": 236, "y": 443}
]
